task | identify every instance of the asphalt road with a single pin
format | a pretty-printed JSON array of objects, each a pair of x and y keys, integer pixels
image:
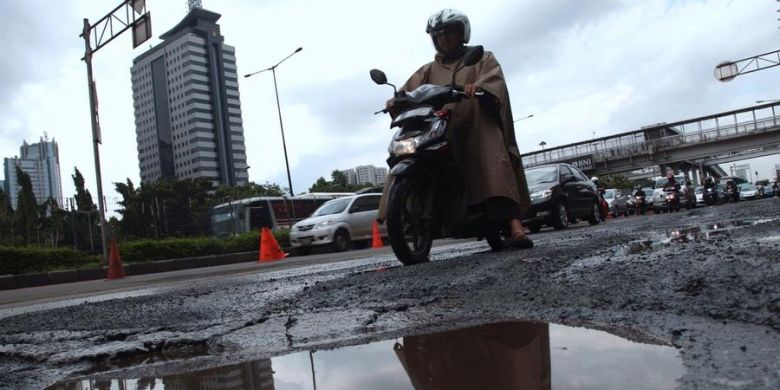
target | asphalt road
[{"x": 703, "y": 281}]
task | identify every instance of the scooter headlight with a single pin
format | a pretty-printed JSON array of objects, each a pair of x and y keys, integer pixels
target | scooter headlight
[
  {"x": 403, "y": 147},
  {"x": 435, "y": 130}
]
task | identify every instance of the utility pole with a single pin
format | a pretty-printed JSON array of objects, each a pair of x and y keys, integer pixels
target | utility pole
[{"x": 128, "y": 14}]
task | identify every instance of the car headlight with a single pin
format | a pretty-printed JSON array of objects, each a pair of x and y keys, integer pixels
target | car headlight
[
  {"x": 541, "y": 195},
  {"x": 324, "y": 224}
]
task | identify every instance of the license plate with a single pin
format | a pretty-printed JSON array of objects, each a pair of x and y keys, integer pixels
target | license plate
[{"x": 305, "y": 241}]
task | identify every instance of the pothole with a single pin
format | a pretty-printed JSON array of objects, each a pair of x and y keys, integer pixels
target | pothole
[
  {"x": 710, "y": 231},
  {"x": 505, "y": 355}
]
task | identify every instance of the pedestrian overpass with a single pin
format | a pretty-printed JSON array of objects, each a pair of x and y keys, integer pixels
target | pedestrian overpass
[{"x": 695, "y": 145}]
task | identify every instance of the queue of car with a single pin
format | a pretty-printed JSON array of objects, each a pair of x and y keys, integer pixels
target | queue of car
[{"x": 561, "y": 194}]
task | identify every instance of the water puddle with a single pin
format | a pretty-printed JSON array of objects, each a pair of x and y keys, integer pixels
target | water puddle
[
  {"x": 704, "y": 232},
  {"x": 511, "y": 355},
  {"x": 710, "y": 231}
]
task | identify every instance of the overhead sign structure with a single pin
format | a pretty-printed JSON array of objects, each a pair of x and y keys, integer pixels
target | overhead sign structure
[
  {"x": 728, "y": 70},
  {"x": 128, "y": 14},
  {"x": 142, "y": 30}
]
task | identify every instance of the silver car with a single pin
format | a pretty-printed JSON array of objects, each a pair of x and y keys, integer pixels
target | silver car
[
  {"x": 617, "y": 202},
  {"x": 338, "y": 223}
]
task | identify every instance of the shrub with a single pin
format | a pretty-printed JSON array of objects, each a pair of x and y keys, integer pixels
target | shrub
[{"x": 17, "y": 260}]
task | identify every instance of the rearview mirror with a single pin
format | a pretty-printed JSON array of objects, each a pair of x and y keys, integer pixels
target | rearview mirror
[
  {"x": 378, "y": 76},
  {"x": 473, "y": 55}
]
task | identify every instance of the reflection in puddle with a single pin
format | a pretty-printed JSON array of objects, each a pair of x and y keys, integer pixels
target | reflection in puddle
[
  {"x": 512, "y": 355},
  {"x": 712, "y": 231}
]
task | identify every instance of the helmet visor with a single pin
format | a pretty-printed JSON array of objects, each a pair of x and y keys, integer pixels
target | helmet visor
[{"x": 446, "y": 30}]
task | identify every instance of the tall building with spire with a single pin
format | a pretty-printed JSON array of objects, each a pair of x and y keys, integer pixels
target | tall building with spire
[
  {"x": 40, "y": 161},
  {"x": 187, "y": 106}
]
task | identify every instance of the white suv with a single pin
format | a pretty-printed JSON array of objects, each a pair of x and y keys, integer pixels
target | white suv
[{"x": 339, "y": 223}]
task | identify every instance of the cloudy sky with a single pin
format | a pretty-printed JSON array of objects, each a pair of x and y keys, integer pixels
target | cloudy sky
[{"x": 579, "y": 67}]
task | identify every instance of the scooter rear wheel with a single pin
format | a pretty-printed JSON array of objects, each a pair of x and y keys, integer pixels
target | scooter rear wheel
[{"x": 409, "y": 220}]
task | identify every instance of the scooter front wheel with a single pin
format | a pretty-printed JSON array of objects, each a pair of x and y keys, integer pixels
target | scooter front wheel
[{"x": 409, "y": 220}]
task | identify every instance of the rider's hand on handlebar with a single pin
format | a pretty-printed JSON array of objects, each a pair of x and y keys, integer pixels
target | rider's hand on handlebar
[
  {"x": 389, "y": 107},
  {"x": 470, "y": 90}
]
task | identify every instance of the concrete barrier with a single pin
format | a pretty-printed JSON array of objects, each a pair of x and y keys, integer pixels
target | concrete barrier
[
  {"x": 32, "y": 280},
  {"x": 91, "y": 274},
  {"x": 8, "y": 282},
  {"x": 63, "y": 277}
]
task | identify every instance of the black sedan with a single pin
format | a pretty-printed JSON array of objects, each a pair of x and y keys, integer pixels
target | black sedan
[{"x": 560, "y": 195}]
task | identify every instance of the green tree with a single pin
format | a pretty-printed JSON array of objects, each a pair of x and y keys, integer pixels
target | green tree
[
  {"x": 6, "y": 218},
  {"x": 165, "y": 208},
  {"x": 51, "y": 224},
  {"x": 338, "y": 183},
  {"x": 85, "y": 220},
  {"x": 616, "y": 181},
  {"x": 321, "y": 185},
  {"x": 247, "y": 191},
  {"x": 83, "y": 197},
  {"x": 26, "y": 207},
  {"x": 132, "y": 224}
]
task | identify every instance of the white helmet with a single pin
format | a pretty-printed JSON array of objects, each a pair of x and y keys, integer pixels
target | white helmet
[
  {"x": 594, "y": 178},
  {"x": 446, "y": 17}
]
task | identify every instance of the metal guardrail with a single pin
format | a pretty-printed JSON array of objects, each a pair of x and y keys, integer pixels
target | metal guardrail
[{"x": 710, "y": 128}]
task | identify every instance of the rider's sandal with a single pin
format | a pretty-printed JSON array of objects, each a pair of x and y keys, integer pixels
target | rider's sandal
[{"x": 519, "y": 241}]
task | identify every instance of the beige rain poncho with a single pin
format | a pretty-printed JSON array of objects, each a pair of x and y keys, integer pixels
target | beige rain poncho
[{"x": 483, "y": 143}]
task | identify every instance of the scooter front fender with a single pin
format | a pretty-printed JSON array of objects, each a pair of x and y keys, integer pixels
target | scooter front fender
[{"x": 406, "y": 167}]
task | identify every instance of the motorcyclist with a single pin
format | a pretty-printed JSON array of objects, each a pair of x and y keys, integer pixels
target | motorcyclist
[
  {"x": 481, "y": 133},
  {"x": 599, "y": 188},
  {"x": 709, "y": 183},
  {"x": 638, "y": 191},
  {"x": 731, "y": 188},
  {"x": 671, "y": 183}
]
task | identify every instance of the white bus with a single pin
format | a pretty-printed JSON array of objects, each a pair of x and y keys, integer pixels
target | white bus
[{"x": 250, "y": 214}]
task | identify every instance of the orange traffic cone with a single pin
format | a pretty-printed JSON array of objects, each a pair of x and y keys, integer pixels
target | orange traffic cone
[
  {"x": 269, "y": 248},
  {"x": 376, "y": 240},
  {"x": 115, "y": 270}
]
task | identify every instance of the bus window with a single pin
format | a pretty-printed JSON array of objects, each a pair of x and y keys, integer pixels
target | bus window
[{"x": 260, "y": 215}]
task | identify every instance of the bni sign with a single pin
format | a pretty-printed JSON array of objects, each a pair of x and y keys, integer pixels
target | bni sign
[{"x": 583, "y": 163}]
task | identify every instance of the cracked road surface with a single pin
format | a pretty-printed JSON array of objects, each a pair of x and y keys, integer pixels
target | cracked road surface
[{"x": 703, "y": 281}]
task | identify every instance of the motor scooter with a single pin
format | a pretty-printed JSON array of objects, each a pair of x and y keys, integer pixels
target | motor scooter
[
  {"x": 672, "y": 199},
  {"x": 640, "y": 204},
  {"x": 603, "y": 205},
  {"x": 732, "y": 195},
  {"x": 710, "y": 196},
  {"x": 426, "y": 198}
]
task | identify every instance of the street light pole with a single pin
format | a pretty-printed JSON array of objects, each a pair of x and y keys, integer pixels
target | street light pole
[
  {"x": 279, "y": 110},
  {"x": 281, "y": 128},
  {"x": 525, "y": 117}
]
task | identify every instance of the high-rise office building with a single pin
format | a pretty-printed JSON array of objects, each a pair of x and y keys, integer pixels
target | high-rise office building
[
  {"x": 40, "y": 161},
  {"x": 366, "y": 174},
  {"x": 252, "y": 375},
  {"x": 187, "y": 108}
]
